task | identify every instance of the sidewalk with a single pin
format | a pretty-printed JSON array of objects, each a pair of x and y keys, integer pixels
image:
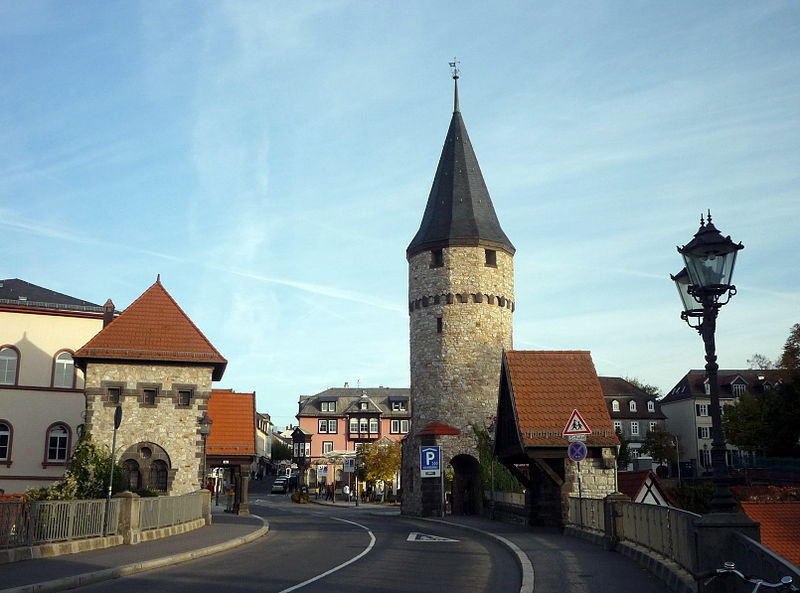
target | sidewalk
[{"x": 46, "y": 575}]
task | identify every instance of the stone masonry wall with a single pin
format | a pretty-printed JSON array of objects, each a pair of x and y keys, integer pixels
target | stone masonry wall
[
  {"x": 455, "y": 374},
  {"x": 174, "y": 428}
]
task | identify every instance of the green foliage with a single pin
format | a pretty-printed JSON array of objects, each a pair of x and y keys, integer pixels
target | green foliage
[
  {"x": 280, "y": 451},
  {"x": 660, "y": 445},
  {"x": 695, "y": 498},
  {"x": 504, "y": 481},
  {"x": 86, "y": 476}
]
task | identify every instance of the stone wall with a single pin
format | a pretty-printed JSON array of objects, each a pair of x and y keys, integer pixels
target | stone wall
[
  {"x": 173, "y": 427},
  {"x": 460, "y": 323}
]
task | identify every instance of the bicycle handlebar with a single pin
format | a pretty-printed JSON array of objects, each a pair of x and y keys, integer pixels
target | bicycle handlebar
[{"x": 729, "y": 568}]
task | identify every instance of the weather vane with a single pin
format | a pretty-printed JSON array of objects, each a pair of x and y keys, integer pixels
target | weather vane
[{"x": 454, "y": 65}]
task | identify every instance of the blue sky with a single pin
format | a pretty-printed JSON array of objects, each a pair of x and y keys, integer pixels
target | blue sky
[{"x": 272, "y": 161}]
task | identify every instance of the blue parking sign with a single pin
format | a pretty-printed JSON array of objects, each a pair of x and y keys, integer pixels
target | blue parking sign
[{"x": 430, "y": 461}]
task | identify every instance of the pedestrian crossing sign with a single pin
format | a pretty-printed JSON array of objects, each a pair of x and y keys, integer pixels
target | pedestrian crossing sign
[{"x": 576, "y": 425}]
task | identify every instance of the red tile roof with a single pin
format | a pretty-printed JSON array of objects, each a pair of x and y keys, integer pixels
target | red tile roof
[
  {"x": 547, "y": 386},
  {"x": 780, "y": 524},
  {"x": 153, "y": 328},
  {"x": 233, "y": 423}
]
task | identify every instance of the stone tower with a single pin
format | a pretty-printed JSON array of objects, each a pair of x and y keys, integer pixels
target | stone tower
[{"x": 461, "y": 301}]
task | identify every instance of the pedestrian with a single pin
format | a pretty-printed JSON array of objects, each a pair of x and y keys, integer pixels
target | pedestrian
[{"x": 346, "y": 493}]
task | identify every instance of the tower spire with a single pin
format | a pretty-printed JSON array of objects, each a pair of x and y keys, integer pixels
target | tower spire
[{"x": 455, "y": 71}]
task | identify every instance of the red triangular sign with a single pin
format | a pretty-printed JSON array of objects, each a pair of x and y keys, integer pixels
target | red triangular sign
[{"x": 576, "y": 425}]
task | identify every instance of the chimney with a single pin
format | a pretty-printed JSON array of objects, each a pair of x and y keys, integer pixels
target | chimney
[{"x": 108, "y": 312}]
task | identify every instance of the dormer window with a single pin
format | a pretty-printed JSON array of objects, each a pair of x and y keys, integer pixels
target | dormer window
[
  {"x": 437, "y": 258},
  {"x": 632, "y": 406},
  {"x": 615, "y": 406},
  {"x": 651, "y": 406}
]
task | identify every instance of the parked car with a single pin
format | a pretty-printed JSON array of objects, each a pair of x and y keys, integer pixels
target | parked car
[{"x": 279, "y": 485}]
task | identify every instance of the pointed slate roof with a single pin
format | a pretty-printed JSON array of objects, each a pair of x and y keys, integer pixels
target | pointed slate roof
[
  {"x": 153, "y": 329},
  {"x": 459, "y": 210}
]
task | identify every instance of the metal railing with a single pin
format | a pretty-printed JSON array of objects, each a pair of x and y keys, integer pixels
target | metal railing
[
  {"x": 33, "y": 523},
  {"x": 667, "y": 531},
  {"x": 164, "y": 511}
]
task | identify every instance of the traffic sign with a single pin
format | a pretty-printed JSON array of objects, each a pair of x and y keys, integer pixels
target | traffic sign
[
  {"x": 430, "y": 461},
  {"x": 577, "y": 451},
  {"x": 576, "y": 425}
]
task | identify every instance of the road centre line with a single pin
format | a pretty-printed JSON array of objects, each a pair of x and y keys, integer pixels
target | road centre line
[{"x": 363, "y": 553}]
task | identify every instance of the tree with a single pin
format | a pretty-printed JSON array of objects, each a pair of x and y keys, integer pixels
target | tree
[
  {"x": 646, "y": 387},
  {"x": 381, "y": 461},
  {"x": 280, "y": 450},
  {"x": 660, "y": 445}
]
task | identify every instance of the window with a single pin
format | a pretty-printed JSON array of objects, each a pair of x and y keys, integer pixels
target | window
[
  {"x": 64, "y": 371},
  {"x": 651, "y": 406},
  {"x": 395, "y": 427},
  {"x": 632, "y": 406},
  {"x": 404, "y": 426},
  {"x": 57, "y": 444},
  {"x": 5, "y": 441},
  {"x": 615, "y": 406},
  {"x": 322, "y": 426},
  {"x": 327, "y": 446},
  {"x": 634, "y": 428},
  {"x": 398, "y": 406},
  {"x": 703, "y": 432},
  {"x": 373, "y": 425},
  {"x": 617, "y": 425},
  {"x": 738, "y": 389},
  {"x": 652, "y": 426},
  {"x": 332, "y": 428},
  {"x": 363, "y": 425},
  {"x": 184, "y": 397},
  {"x": 491, "y": 258},
  {"x": 329, "y": 406},
  {"x": 353, "y": 425},
  {"x": 114, "y": 394},
  {"x": 702, "y": 409},
  {"x": 9, "y": 359},
  {"x": 437, "y": 258},
  {"x": 149, "y": 396}
]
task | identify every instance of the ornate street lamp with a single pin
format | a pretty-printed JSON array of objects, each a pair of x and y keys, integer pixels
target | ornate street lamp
[{"x": 706, "y": 281}]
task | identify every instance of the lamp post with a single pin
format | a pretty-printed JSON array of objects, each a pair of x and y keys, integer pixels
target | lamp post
[
  {"x": 205, "y": 430},
  {"x": 704, "y": 286}
]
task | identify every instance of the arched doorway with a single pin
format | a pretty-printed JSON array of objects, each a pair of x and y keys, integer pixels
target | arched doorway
[
  {"x": 467, "y": 490},
  {"x": 147, "y": 465}
]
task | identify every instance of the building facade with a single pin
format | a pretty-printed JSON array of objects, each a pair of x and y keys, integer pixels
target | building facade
[
  {"x": 461, "y": 303},
  {"x": 342, "y": 419},
  {"x": 633, "y": 412},
  {"x": 155, "y": 364},
  {"x": 41, "y": 391},
  {"x": 687, "y": 408}
]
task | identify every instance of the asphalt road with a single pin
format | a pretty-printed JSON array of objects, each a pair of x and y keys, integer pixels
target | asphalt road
[{"x": 317, "y": 549}]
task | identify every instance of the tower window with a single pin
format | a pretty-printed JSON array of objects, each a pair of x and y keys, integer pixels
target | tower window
[
  {"x": 437, "y": 258},
  {"x": 491, "y": 258}
]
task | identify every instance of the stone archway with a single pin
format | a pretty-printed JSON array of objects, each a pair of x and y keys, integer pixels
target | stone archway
[
  {"x": 148, "y": 465},
  {"x": 467, "y": 490}
]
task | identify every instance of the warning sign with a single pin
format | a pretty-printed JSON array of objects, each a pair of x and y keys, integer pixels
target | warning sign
[{"x": 576, "y": 425}]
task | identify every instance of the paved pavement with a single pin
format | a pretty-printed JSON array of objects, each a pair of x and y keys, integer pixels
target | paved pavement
[{"x": 549, "y": 560}]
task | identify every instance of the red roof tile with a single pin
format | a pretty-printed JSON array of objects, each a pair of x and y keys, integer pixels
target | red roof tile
[
  {"x": 780, "y": 524},
  {"x": 153, "y": 328},
  {"x": 233, "y": 424},
  {"x": 547, "y": 386}
]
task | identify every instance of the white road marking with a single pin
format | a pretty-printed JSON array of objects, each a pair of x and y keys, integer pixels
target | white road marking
[{"x": 341, "y": 566}]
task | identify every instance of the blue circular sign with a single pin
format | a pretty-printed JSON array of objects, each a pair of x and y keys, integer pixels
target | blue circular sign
[{"x": 577, "y": 451}]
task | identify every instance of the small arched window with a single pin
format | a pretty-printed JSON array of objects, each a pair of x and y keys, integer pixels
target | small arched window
[
  {"x": 615, "y": 406},
  {"x": 57, "y": 444},
  {"x": 64, "y": 371},
  {"x": 9, "y": 362},
  {"x": 5, "y": 440},
  {"x": 632, "y": 406}
]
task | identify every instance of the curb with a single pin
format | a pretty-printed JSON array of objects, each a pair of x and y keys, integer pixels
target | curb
[
  {"x": 524, "y": 562},
  {"x": 108, "y": 574}
]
